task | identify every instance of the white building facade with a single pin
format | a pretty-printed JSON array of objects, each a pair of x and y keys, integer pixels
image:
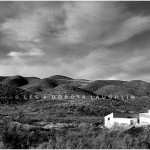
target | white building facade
[
  {"x": 130, "y": 119},
  {"x": 144, "y": 118}
]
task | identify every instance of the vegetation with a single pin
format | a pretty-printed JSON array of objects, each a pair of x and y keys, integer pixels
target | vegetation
[
  {"x": 85, "y": 137},
  {"x": 12, "y": 94},
  {"x": 66, "y": 123}
]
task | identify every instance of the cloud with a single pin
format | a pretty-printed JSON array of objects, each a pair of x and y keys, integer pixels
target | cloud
[
  {"x": 88, "y": 21},
  {"x": 128, "y": 29},
  {"x": 34, "y": 52},
  {"x": 93, "y": 40},
  {"x": 25, "y": 31}
]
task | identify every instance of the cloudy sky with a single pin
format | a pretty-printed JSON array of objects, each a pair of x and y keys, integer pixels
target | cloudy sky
[{"x": 92, "y": 40}]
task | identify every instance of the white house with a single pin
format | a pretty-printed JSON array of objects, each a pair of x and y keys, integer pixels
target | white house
[
  {"x": 121, "y": 118},
  {"x": 127, "y": 118},
  {"x": 144, "y": 118}
]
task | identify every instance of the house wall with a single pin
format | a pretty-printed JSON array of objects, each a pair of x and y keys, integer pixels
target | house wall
[
  {"x": 112, "y": 121},
  {"x": 144, "y": 118},
  {"x": 125, "y": 120},
  {"x": 109, "y": 123}
]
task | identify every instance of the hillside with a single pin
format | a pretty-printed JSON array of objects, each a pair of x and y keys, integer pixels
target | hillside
[
  {"x": 60, "y": 114},
  {"x": 69, "y": 90},
  {"x": 2, "y": 78},
  {"x": 12, "y": 94},
  {"x": 18, "y": 80},
  {"x": 114, "y": 90},
  {"x": 15, "y": 81},
  {"x": 95, "y": 85},
  {"x": 138, "y": 87},
  {"x": 100, "y": 87},
  {"x": 32, "y": 80},
  {"x": 60, "y": 77},
  {"x": 79, "y": 82},
  {"x": 134, "y": 87},
  {"x": 41, "y": 85}
]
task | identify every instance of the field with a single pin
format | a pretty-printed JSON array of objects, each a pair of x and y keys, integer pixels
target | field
[
  {"x": 76, "y": 122},
  {"x": 69, "y": 118}
]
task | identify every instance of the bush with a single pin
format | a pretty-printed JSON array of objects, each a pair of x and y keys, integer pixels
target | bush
[
  {"x": 85, "y": 138},
  {"x": 14, "y": 138},
  {"x": 2, "y": 145}
]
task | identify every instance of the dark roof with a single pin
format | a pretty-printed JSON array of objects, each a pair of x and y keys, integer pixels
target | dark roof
[{"x": 125, "y": 115}]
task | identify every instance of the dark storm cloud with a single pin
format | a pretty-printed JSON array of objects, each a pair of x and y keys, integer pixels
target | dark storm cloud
[
  {"x": 105, "y": 40},
  {"x": 136, "y": 7}
]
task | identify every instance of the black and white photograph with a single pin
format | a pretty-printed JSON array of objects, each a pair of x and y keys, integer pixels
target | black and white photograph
[{"x": 74, "y": 74}]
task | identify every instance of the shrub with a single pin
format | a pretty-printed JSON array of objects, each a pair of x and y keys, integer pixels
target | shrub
[
  {"x": 2, "y": 145},
  {"x": 85, "y": 138},
  {"x": 14, "y": 138}
]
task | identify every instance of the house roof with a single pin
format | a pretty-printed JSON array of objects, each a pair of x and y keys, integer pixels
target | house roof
[{"x": 125, "y": 115}]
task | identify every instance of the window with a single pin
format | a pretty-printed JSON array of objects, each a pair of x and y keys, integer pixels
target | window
[
  {"x": 129, "y": 117},
  {"x": 108, "y": 118}
]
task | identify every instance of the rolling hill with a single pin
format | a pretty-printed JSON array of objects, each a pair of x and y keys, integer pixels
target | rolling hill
[
  {"x": 138, "y": 87},
  {"x": 59, "y": 84},
  {"x": 70, "y": 90},
  {"x": 49, "y": 83},
  {"x": 18, "y": 80},
  {"x": 32, "y": 80},
  {"x": 134, "y": 87},
  {"x": 12, "y": 94},
  {"x": 2, "y": 78},
  {"x": 15, "y": 81},
  {"x": 40, "y": 85},
  {"x": 95, "y": 85},
  {"x": 60, "y": 77},
  {"x": 114, "y": 90},
  {"x": 65, "y": 91}
]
